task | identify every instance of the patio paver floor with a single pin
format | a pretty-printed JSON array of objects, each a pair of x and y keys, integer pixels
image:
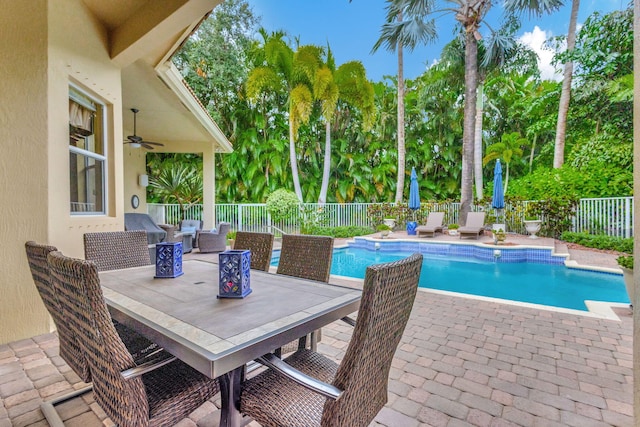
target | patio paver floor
[{"x": 461, "y": 362}]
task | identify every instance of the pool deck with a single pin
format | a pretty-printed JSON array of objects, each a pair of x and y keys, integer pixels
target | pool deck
[{"x": 461, "y": 362}]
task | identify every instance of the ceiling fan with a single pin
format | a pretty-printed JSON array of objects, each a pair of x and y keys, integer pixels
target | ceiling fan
[{"x": 137, "y": 141}]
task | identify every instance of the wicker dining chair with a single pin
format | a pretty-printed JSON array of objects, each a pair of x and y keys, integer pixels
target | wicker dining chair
[
  {"x": 353, "y": 392},
  {"x": 307, "y": 257},
  {"x": 114, "y": 250},
  {"x": 260, "y": 245},
  {"x": 70, "y": 349},
  {"x": 131, "y": 395}
]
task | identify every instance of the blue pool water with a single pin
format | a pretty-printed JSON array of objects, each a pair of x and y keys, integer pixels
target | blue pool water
[{"x": 553, "y": 285}]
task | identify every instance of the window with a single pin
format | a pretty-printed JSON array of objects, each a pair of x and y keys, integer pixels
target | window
[{"x": 87, "y": 161}]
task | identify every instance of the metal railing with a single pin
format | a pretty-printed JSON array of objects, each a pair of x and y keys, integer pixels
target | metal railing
[{"x": 612, "y": 216}]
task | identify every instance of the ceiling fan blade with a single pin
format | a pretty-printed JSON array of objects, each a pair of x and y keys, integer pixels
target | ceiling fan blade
[
  {"x": 134, "y": 138},
  {"x": 145, "y": 145},
  {"x": 152, "y": 143}
]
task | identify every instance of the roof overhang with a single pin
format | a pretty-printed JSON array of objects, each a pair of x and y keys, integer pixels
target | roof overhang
[
  {"x": 143, "y": 35},
  {"x": 169, "y": 112}
]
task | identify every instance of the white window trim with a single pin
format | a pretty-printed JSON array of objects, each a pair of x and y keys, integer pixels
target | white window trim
[{"x": 102, "y": 157}]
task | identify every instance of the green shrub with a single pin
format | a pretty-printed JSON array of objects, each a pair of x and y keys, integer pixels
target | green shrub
[
  {"x": 618, "y": 244},
  {"x": 626, "y": 261},
  {"x": 339, "y": 232},
  {"x": 281, "y": 204}
]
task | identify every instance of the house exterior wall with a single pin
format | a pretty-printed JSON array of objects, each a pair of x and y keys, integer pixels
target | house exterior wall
[
  {"x": 24, "y": 162},
  {"x": 135, "y": 164},
  {"x": 45, "y": 45}
]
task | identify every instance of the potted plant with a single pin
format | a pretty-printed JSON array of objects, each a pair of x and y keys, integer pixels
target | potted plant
[
  {"x": 384, "y": 230},
  {"x": 626, "y": 265},
  {"x": 452, "y": 229},
  {"x": 499, "y": 235},
  {"x": 231, "y": 238}
]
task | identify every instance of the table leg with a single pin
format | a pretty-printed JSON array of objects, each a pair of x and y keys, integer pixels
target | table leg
[{"x": 230, "y": 395}]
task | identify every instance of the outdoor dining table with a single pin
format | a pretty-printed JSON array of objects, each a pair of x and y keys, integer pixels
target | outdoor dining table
[{"x": 218, "y": 336}]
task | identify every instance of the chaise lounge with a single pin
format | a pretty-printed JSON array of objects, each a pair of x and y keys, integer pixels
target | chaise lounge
[
  {"x": 473, "y": 226},
  {"x": 433, "y": 225}
]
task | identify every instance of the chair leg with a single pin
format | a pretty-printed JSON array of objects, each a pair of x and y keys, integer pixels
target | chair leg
[{"x": 48, "y": 408}]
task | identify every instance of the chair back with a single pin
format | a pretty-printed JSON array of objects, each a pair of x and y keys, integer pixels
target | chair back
[
  {"x": 260, "y": 245},
  {"x": 115, "y": 250},
  {"x": 223, "y": 228},
  {"x": 70, "y": 350},
  {"x": 77, "y": 285},
  {"x": 475, "y": 219},
  {"x": 196, "y": 224},
  {"x": 387, "y": 299},
  {"x": 307, "y": 257},
  {"x": 435, "y": 219}
]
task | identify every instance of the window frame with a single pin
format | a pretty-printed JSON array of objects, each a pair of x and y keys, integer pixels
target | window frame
[{"x": 88, "y": 154}]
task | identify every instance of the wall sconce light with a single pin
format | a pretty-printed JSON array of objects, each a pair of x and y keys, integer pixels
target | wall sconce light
[{"x": 143, "y": 180}]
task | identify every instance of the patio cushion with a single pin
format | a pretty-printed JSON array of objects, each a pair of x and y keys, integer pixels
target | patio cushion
[{"x": 188, "y": 230}]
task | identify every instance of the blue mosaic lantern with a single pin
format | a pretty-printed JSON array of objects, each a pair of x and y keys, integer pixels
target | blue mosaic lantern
[
  {"x": 168, "y": 260},
  {"x": 411, "y": 228},
  {"x": 235, "y": 268}
]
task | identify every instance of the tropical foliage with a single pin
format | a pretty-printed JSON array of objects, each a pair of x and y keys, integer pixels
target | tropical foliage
[{"x": 292, "y": 114}]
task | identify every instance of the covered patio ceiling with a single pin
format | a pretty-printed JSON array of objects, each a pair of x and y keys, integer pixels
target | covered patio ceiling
[{"x": 142, "y": 38}]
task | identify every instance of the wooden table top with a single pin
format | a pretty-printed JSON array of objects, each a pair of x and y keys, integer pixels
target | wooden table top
[{"x": 213, "y": 335}]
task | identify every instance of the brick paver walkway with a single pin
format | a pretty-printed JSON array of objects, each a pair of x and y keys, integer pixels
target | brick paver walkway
[{"x": 461, "y": 362}]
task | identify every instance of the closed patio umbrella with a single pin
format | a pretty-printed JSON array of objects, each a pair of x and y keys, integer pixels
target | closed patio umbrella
[
  {"x": 414, "y": 201},
  {"x": 497, "y": 200}
]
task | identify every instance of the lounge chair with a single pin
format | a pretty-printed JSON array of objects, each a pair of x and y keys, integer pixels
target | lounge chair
[
  {"x": 474, "y": 225},
  {"x": 433, "y": 225},
  {"x": 214, "y": 241}
]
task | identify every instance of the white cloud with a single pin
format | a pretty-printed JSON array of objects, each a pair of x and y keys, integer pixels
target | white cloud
[{"x": 536, "y": 40}]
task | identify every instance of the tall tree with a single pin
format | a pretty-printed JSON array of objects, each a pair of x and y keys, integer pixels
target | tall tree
[
  {"x": 508, "y": 149},
  {"x": 214, "y": 59},
  {"x": 470, "y": 14},
  {"x": 565, "y": 96},
  {"x": 395, "y": 35},
  {"x": 293, "y": 72},
  {"x": 348, "y": 84}
]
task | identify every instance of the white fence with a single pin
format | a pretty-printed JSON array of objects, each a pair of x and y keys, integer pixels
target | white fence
[{"x": 611, "y": 216}]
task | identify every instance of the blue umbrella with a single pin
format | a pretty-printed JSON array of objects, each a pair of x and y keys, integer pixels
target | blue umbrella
[
  {"x": 498, "y": 193},
  {"x": 414, "y": 192}
]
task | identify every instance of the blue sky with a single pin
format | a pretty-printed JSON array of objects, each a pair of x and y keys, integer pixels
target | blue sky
[{"x": 351, "y": 29}]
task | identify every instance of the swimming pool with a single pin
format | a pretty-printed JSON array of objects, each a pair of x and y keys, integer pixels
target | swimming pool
[{"x": 532, "y": 282}]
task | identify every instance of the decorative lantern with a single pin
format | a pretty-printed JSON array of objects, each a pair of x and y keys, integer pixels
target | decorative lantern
[
  {"x": 168, "y": 260},
  {"x": 234, "y": 267}
]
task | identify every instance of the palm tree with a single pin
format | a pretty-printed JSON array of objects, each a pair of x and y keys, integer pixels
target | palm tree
[
  {"x": 508, "y": 149},
  {"x": 565, "y": 95},
  {"x": 396, "y": 35},
  {"x": 284, "y": 69},
  {"x": 348, "y": 84},
  {"x": 470, "y": 15}
]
